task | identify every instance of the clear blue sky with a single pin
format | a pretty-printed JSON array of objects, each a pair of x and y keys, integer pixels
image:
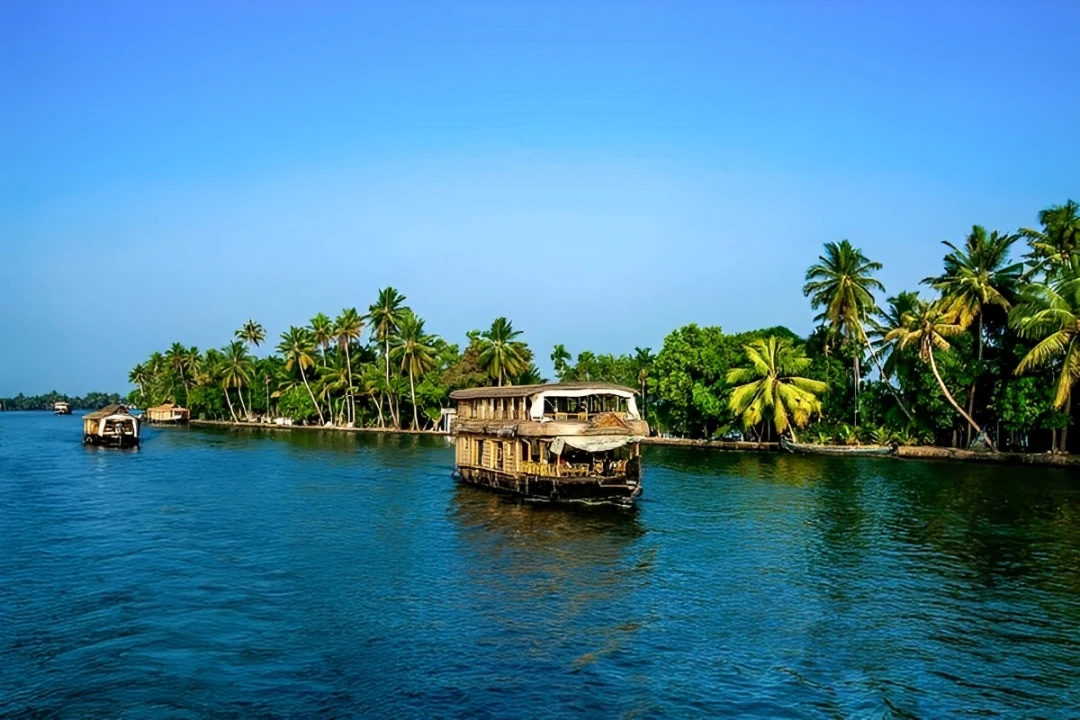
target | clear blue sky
[{"x": 598, "y": 172}]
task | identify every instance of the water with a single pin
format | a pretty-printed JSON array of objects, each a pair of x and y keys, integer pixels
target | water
[{"x": 239, "y": 574}]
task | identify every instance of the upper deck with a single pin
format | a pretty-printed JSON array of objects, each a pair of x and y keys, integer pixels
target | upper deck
[{"x": 583, "y": 408}]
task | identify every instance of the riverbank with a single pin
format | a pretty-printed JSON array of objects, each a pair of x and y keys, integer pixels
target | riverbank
[{"x": 921, "y": 452}]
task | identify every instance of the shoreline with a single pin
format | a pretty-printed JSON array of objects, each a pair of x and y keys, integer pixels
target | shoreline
[{"x": 904, "y": 452}]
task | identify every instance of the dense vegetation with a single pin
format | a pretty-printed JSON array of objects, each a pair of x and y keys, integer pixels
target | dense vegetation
[
  {"x": 992, "y": 345},
  {"x": 91, "y": 401}
]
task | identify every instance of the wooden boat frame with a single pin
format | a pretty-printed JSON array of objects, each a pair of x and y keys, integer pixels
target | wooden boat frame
[{"x": 837, "y": 450}]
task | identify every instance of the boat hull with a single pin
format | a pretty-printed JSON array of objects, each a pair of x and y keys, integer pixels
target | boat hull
[
  {"x": 838, "y": 450},
  {"x": 124, "y": 441},
  {"x": 610, "y": 491}
]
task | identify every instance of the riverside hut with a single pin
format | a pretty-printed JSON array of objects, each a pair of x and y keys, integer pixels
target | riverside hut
[
  {"x": 558, "y": 442},
  {"x": 112, "y": 425},
  {"x": 168, "y": 414}
]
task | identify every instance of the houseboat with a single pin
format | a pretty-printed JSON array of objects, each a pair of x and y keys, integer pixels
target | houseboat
[
  {"x": 61, "y": 408},
  {"x": 565, "y": 442},
  {"x": 112, "y": 425},
  {"x": 167, "y": 414}
]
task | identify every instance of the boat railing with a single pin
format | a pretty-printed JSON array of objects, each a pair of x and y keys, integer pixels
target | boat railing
[{"x": 573, "y": 470}]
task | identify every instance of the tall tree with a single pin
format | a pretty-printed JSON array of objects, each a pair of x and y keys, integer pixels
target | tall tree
[
  {"x": 1050, "y": 314},
  {"x": 251, "y": 333},
  {"x": 1059, "y": 238},
  {"x": 977, "y": 276},
  {"x": 561, "y": 357},
  {"x": 502, "y": 355},
  {"x": 176, "y": 357},
  {"x": 139, "y": 376},
  {"x": 236, "y": 371},
  {"x": 298, "y": 348},
  {"x": 412, "y": 347},
  {"x": 926, "y": 327},
  {"x": 840, "y": 285},
  {"x": 322, "y": 332},
  {"x": 385, "y": 317},
  {"x": 643, "y": 360},
  {"x": 772, "y": 385},
  {"x": 348, "y": 327}
]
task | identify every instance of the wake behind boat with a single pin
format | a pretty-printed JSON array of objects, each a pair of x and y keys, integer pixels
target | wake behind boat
[{"x": 837, "y": 450}]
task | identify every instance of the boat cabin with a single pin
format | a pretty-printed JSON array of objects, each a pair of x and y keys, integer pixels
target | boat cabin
[
  {"x": 168, "y": 413},
  {"x": 112, "y": 425},
  {"x": 561, "y": 441}
]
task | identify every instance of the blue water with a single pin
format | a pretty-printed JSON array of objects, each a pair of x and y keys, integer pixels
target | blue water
[{"x": 277, "y": 574}]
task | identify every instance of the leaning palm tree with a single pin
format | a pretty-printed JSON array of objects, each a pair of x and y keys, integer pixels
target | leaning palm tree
[
  {"x": 412, "y": 347},
  {"x": 139, "y": 376},
  {"x": 978, "y": 276},
  {"x": 887, "y": 320},
  {"x": 772, "y": 386},
  {"x": 501, "y": 354},
  {"x": 348, "y": 327},
  {"x": 926, "y": 327},
  {"x": 236, "y": 372},
  {"x": 298, "y": 348},
  {"x": 385, "y": 317},
  {"x": 1050, "y": 314},
  {"x": 840, "y": 285},
  {"x": 1059, "y": 238}
]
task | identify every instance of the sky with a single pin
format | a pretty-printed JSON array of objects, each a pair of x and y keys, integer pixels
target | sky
[{"x": 598, "y": 172}]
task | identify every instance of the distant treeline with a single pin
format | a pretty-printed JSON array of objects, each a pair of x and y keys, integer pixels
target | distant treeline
[{"x": 91, "y": 401}]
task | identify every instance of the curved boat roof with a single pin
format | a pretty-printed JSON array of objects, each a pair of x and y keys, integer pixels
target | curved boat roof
[{"x": 518, "y": 391}]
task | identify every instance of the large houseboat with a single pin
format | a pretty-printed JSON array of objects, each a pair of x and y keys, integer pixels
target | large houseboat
[
  {"x": 112, "y": 425},
  {"x": 562, "y": 442}
]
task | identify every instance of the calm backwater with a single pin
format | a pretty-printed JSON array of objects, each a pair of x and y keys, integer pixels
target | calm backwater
[{"x": 240, "y": 574}]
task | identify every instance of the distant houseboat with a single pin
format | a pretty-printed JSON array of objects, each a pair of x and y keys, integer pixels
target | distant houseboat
[
  {"x": 561, "y": 442},
  {"x": 61, "y": 408},
  {"x": 112, "y": 425},
  {"x": 169, "y": 413}
]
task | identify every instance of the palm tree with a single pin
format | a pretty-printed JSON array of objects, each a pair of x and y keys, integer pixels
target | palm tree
[
  {"x": 176, "y": 357},
  {"x": 1050, "y": 314},
  {"x": 927, "y": 326},
  {"x": 900, "y": 306},
  {"x": 501, "y": 355},
  {"x": 373, "y": 384},
  {"x": 251, "y": 333},
  {"x": 385, "y": 317},
  {"x": 138, "y": 376},
  {"x": 322, "y": 332},
  {"x": 413, "y": 347},
  {"x": 348, "y": 327},
  {"x": 298, "y": 347},
  {"x": 840, "y": 286},
  {"x": 236, "y": 371},
  {"x": 561, "y": 357},
  {"x": 772, "y": 383},
  {"x": 1059, "y": 239},
  {"x": 643, "y": 359},
  {"x": 977, "y": 276}
]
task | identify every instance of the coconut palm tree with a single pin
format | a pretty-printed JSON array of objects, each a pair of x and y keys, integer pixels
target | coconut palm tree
[
  {"x": 348, "y": 327},
  {"x": 501, "y": 354},
  {"x": 643, "y": 359},
  {"x": 887, "y": 320},
  {"x": 977, "y": 276},
  {"x": 251, "y": 333},
  {"x": 1050, "y": 314},
  {"x": 385, "y": 317},
  {"x": 926, "y": 327},
  {"x": 1059, "y": 238},
  {"x": 373, "y": 384},
  {"x": 139, "y": 376},
  {"x": 561, "y": 358},
  {"x": 298, "y": 348},
  {"x": 236, "y": 371},
  {"x": 322, "y": 332},
  {"x": 840, "y": 285},
  {"x": 412, "y": 348},
  {"x": 176, "y": 357},
  {"x": 772, "y": 385}
]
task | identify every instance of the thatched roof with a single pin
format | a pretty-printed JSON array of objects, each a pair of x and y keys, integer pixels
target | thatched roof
[
  {"x": 518, "y": 391},
  {"x": 165, "y": 407},
  {"x": 107, "y": 411}
]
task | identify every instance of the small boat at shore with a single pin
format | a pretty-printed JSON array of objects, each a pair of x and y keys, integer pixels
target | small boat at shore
[
  {"x": 837, "y": 450},
  {"x": 562, "y": 442},
  {"x": 61, "y": 408},
  {"x": 111, "y": 426},
  {"x": 167, "y": 414}
]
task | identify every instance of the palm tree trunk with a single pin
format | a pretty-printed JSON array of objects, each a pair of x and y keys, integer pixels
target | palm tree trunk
[
  {"x": 229, "y": 401},
  {"x": 352, "y": 401},
  {"x": 376, "y": 397},
  {"x": 412, "y": 391},
  {"x": 856, "y": 370},
  {"x": 951, "y": 399},
  {"x": 240, "y": 393},
  {"x": 971, "y": 393},
  {"x": 1065, "y": 430},
  {"x": 884, "y": 378},
  {"x": 316, "y": 402}
]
